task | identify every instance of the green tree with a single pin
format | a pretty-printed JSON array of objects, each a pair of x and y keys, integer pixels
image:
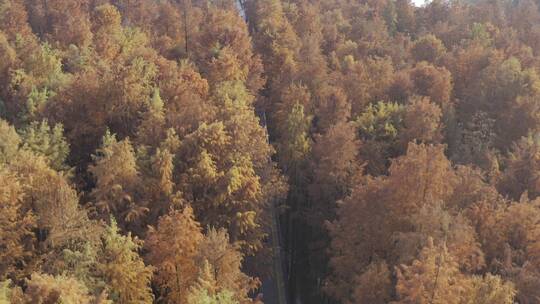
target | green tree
[
  {"x": 378, "y": 128},
  {"x": 117, "y": 181},
  {"x": 9, "y": 142},
  {"x": 49, "y": 142},
  {"x": 490, "y": 289},
  {"x": 201, "y": 296},
  {"x": 9, "y": 293},
  {"x": 296, "y": 143},
  {"x": 43, "y": 288},
  {"x": 123, "y": 269}
]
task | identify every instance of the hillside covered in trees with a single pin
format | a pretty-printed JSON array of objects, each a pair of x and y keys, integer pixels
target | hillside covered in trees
[{"x": 183, "y": 151}]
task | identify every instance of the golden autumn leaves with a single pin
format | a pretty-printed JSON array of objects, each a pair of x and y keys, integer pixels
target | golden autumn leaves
[{"x": 145, "y": 141}]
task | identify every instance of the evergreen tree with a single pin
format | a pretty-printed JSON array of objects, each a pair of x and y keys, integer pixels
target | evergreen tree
[
  {"x": 124, "y": 271},
  {"x": 42, "y": 140},
  {"x": 9, "y": 142},
  {"x": 117, "y": 181}
]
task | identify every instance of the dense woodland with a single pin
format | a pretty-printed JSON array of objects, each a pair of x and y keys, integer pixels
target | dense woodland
[{"x": 146, "y": 146}]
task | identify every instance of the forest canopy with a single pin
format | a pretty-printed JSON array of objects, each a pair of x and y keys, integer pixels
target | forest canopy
[{"x": 276, "y": 151}]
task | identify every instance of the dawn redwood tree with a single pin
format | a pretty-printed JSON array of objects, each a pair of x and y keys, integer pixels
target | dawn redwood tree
[{"x": 172, "y": 247}]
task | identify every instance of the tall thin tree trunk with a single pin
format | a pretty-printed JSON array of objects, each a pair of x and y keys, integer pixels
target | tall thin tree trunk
[{"x": 186, "y": 36}]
